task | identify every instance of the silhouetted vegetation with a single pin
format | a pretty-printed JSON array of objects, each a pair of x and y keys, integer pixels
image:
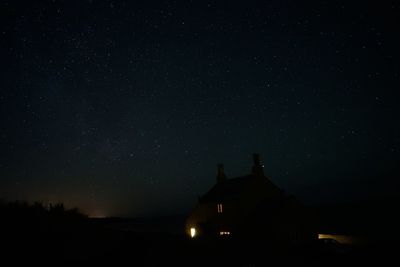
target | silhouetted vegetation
[
  {"x": 35, "y": 232},
  {"x": 23, "y": 216}
]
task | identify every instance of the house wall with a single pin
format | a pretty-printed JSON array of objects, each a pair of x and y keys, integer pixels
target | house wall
[
  {"x": 235, "y": 211},
  {"x": 245, "y": 216}
]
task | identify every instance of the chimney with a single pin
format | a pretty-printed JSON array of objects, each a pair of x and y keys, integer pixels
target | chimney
[
  {"x": 257, "y": 169},
  {"x": 221, "y": 177}
]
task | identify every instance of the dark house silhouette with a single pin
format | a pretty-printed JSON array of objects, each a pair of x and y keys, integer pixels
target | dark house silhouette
[{"x": 251, "y": 207}]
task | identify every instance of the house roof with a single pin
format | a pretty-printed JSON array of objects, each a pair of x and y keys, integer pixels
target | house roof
[{"x": 231, "y": 189}]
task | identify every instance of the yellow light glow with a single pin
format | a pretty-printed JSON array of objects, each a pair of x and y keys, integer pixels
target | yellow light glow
[
  {"x": 224, "y": 233},
  {"x": 343, "y": 239},
  {"x": 192, "y": 232}
]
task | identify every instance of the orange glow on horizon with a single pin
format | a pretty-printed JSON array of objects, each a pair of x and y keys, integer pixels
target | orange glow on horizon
[{"x": 97, "y": 214}]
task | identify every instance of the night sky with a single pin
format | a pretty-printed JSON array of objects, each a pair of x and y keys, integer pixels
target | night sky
[{"x": 124, "y": 109}]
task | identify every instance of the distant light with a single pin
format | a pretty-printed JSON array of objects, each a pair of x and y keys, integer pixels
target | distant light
[
  {"x": 224, "y": 233},
  {"x": 98, "y": 216},
  {"x": 192, "y": 232}
]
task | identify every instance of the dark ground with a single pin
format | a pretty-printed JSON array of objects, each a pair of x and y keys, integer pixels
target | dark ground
[
  {"x": 36, "y": 235},
  {"x": 93, "y": 242}
]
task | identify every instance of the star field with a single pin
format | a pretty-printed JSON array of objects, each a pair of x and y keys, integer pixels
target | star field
[{"x": 123, "y": 108}]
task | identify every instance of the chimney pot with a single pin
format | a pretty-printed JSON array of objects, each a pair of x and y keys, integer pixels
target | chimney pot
[
  {"x": 257, "y": 169},
  {"x": 220, "y": 174}
]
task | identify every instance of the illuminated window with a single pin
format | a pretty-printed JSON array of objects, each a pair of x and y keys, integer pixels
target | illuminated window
[
  {"x": 224, "y": 233},
  {"x": 192, "y": 232},
  {"x": 219, "y": 208}
]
